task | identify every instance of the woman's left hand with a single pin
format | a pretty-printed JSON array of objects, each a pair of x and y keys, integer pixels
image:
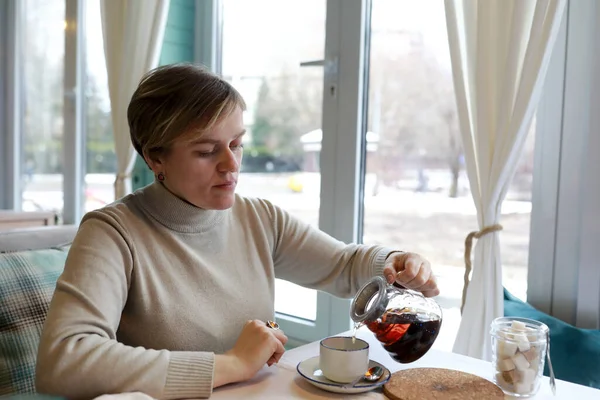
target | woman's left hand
[{"x": 411, "y": 271}]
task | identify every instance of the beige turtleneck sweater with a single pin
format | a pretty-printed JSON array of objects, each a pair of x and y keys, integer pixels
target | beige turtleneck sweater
[{"x": 153, "y": 287}]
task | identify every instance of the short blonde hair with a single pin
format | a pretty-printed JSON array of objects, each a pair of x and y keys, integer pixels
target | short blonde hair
[{"x": 177, "y": 101}]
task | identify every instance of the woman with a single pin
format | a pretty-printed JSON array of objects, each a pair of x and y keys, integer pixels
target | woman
[{"x": 167, "y": 290}]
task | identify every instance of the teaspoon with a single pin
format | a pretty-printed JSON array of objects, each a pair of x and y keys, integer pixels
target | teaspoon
[{"x": 373, "y": 374}]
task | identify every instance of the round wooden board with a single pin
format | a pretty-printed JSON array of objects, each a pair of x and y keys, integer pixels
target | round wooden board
[{"x": 438, "y": 384}]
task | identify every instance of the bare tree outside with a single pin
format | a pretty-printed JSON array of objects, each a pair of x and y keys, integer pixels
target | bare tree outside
[
  {"x": 43, "y": 87},
  {"x": 288, "y": 106},
  {"x": 412, "y": 107},
  {"x": 43, "y": 97}
]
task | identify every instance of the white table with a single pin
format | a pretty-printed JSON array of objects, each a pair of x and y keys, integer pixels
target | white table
[{"x": 283, "y": 382}]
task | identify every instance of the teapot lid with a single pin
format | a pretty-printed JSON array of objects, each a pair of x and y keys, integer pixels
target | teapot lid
[{"x": 370, "y": 301}]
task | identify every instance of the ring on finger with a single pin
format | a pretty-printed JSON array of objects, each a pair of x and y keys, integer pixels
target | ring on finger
[{"x": 273, "y": 325}]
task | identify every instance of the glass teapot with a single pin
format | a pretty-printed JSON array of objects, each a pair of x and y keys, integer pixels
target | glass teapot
[{"x": 403, "y": 320}]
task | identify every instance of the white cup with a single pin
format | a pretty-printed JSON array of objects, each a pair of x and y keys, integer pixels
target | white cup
[{"x": 343, "y": 360}]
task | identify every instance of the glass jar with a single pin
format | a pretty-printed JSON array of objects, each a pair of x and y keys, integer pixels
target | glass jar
[
  {"x": 404, "y": 321},
  {"x": 518, "y": 354}
]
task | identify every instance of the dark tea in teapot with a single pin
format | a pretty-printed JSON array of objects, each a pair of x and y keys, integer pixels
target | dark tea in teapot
[
  {"x": 403, "y": 321},
  {"x": 404, "y": 333}
]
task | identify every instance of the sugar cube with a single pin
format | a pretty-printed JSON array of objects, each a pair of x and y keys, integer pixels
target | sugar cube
[
  {"x": 534, "y": 366},
  {"x": 527, "y": 376},
  {"x": 505, "y": 364},
  {"x": 523, "y": 345},
  {"x": 518, "y": 326},
  {"x": 509, "y": 349},
  {"x": 509, "y": 376},
  {"x": 520, "y": 361},
  {"x": 520, "y": 337},
  {"x": 522, "y": 388},
  {"x": 531, "y": 354},
  {"x": 503, "y": 382}
]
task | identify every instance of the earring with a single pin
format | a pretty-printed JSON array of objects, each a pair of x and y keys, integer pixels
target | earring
[{"x": 160, "y": 177}]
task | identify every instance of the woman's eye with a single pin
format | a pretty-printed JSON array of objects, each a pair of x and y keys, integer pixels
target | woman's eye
[
  {"x": 205, "y": 153},
  {"x": 212, "y": 152}
]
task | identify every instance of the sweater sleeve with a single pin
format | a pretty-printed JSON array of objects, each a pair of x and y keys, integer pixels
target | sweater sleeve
[
  {"x": 309, "y": 257},
  {"x": 79, "y": 356}
]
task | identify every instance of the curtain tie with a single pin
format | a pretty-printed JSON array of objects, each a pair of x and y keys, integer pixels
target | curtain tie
[{"x": 468, "y": 246}]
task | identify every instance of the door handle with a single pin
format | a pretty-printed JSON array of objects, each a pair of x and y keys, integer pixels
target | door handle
[
  {"x": 314, "y": 63},
  {"x": 330, "y": 65},
  {"x": 330, "y": 71}
]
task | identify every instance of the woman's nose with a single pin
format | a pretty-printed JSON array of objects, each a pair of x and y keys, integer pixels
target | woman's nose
[{"x": 229, "y": 162}]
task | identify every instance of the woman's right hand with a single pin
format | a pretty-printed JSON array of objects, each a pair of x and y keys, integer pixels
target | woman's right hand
[{"x": 256, "y": 346}]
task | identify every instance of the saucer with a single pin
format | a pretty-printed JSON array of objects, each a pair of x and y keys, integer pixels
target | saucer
[{"x": 309, "y": 369}]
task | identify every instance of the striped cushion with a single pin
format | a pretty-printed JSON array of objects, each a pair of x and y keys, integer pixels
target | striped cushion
[{"x": 27, "y": 282}]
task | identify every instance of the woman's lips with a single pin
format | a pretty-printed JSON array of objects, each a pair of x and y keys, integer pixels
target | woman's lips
[{"x": 226, "y": 185}]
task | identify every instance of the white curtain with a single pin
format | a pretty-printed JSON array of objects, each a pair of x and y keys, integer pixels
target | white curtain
[
  {"x": 500, "y": 51},
  {"x": 133, "y": 33}
]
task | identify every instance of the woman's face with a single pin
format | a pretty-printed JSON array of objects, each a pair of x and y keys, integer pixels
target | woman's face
[{"x": 204, "y": 172}]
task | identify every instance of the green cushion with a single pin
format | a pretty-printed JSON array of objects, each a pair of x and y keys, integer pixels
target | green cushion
[
  {"x": 575, "y": 352},
  {"x": 27, "y": 282}
]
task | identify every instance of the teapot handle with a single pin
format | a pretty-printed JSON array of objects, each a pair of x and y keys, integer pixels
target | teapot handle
[
  {"x": 399, "y": 286},
  {"x": 410, "y": 291}
]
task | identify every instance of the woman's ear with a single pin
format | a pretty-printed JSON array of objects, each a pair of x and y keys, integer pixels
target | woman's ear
[{"x": 155, "y": 162}]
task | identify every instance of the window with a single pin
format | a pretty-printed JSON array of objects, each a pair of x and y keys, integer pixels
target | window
[
  {"x": 419, "y": 199},
  {"x": 42, "y": 55},
  {"x": 100, "y": 160},
  {"x": 283, "y": 114},
  {"x": 417, "y": 192}
]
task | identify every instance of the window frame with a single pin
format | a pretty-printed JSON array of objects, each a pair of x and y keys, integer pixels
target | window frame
[
  {"x": 74, "y": 138},
  {"x": 12, "y": 77},
  {"x": 11, "y": 112}
]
